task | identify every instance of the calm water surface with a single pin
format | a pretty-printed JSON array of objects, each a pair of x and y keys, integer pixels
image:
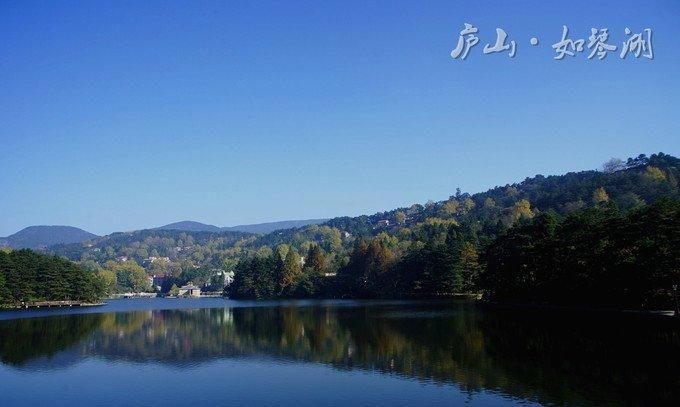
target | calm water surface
[{"x": 221, "y": 352}]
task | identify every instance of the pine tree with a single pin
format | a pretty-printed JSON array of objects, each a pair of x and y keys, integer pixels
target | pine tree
[
  {"x": 316, "y": 259},
  {"x": 291, "y": 272}
]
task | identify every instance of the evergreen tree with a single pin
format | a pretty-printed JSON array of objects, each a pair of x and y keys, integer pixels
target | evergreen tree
[
  {"x": 292, "y": 271},
  {"x": 316, "y": 259}
]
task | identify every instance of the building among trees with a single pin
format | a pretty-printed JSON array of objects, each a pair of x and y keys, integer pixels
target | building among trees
[{"x": 189, "y": 290}]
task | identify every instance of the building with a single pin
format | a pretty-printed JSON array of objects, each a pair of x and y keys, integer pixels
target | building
[{"x": 189, "y": 290}]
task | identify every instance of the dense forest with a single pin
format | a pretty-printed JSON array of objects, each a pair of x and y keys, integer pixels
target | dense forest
[
  {"x": 605, "y": 238},
  {"x": 27, "y": 276},
  {"x": 433, "y": 249},
  {"x": 598, "y": 256}
]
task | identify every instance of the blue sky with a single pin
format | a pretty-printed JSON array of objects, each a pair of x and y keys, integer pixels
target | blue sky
[{"x": 122, "y": 115}]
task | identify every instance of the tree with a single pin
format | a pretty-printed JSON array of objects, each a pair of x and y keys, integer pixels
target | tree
[
  {"x": 415, "y": 208},
  {"x": 29, "y": 276},
  {"x": 132, "y": 276},
  {"x": 512, "y": 191},
  {"x": 629, "y": 201},
  {"x": 600, "y": 196},
  {"x": 109, "y": 280},
  {"x": 469, "y": 267},
  {"x": 451, "y": 207},
  {"x": 217, "y": 282},
  {"x": 594, "y": 257},
  {"x": 653, "y": 174},
  {"x": 613, "y": 165},
  {"x": 400, "y": 217},
  {"x": 20, "y": 275},
  {"x": 292, "y": 270},
  {"x": 174, "y": 290},
  {"x": 520, "y": 210},
  {"x": 254, "y": 278},
  {"x": 574, "y": 206},
  {"x": 316, "y": 259},
  {"x": 3, "y": 293},
  {"x": 468, "y": 204}
]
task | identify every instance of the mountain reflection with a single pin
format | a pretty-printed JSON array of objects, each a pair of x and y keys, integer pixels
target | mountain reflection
[{"x": 555, "y": 358}]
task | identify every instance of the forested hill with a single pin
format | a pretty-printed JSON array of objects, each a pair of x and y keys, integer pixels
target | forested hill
[
  {"x": 607, "y": 238},
  {"x": 441, "y": 244},
  {"x": 627, "y": 184},
  {"x": 34, "y": 237},
  {"x": 268, "y": 227},
  {"x": 190, "y": 226},
  {"x": 146, "y": 245}
]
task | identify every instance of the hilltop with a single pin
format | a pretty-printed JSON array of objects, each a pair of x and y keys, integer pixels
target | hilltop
[
  {"x": 35, "y": 237},
  {"x": 259, "y": 228}
]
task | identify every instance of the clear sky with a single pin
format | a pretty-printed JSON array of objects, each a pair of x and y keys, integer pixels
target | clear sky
[{"x": 122, "y": 115}]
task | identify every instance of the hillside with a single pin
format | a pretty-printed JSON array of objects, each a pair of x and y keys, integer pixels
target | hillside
[
  {"x": 190, "y": 226},
  {"x": 413, "y": 238},
  {"x": 268, "y": 227},
  {"x": 628, "y": 185},
  {"x": 257, "y": 228},
  {"x": 593, "y": 238},
  {"x": 637, "y": 182},
  {"x": 198, "y": 248},
  {"x": 34, "y": 237}
]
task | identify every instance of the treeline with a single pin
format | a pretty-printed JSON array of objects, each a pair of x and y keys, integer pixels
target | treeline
[
  {"x": 446, "y": 262},
  {"x": 283, "y": 274},
  {"x": 629, "y": 184},
  {"x": 425, "y": 250},
  {"x": 600, "y": 256},
  {"x": 607, "y": 238},
  {"x": 27, "y": 276},
  {"x": 595, "y": 257}
]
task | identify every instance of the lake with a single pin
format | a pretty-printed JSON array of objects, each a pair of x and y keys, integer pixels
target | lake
[{"x": 309, "y": 353}]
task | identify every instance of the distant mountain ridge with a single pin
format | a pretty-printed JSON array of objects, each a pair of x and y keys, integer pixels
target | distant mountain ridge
[
  {"x": 35, "y": 237},
  {"x": 190, "y": 226},
  {"x": 259, "y": 228},
  {"x": 269, "y": 227}
]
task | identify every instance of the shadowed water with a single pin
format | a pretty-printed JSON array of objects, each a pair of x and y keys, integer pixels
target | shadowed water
[{"x": 336, "y": 353}]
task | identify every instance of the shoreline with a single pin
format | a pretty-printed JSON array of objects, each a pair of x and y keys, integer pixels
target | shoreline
[
  {"x": 580, "y": 308},
  {"x": 51, "y": 304},
  {"x": 472, "y": 298}
]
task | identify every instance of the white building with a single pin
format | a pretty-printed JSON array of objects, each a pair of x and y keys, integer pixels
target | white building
[{"x": 189, "y": 290}]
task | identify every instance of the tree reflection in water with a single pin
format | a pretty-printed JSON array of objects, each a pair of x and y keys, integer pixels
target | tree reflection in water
[{"x": 550, "y": 357}]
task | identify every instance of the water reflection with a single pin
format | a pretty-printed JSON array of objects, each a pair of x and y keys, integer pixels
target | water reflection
[{"x": 552, "y": 358}]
